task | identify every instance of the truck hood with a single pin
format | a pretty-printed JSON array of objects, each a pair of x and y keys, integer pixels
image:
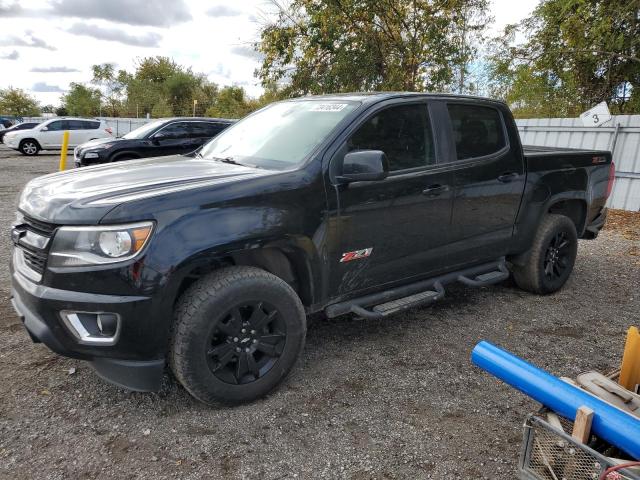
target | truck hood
[{"x": 85, "y": 195}]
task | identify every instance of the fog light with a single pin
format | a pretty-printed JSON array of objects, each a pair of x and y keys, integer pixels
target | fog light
[
  {"x": 93, "y": 328},
  {"x": 107, "y": 324}
]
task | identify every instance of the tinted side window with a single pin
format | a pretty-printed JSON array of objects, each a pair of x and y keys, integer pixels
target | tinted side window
[
  {"x": 205, "y": 129},
  {"x": 75, "y": 125},
  {"x": 477, "y": 130},
  {"x": 89, "y": 125},
  {"x": 56, "y": 126},
  {"x": 175, "y": 130},
  {"x": 403, "y": 133}
]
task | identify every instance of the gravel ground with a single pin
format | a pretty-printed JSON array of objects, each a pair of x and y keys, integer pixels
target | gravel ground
[{"x": 370, "y": 399}]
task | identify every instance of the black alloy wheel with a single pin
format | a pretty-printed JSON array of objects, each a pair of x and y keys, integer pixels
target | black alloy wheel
[
  {"x": 557, "y": 256},
  {"x": 246, "y": 343},
  {"x": 547, "y": 265},
  {"x": 238, "y": 332}
]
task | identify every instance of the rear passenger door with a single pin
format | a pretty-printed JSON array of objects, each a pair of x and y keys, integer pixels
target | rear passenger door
[
  {"x": 77, "y": 132},
  {"x": 488, "y": 181},
  {"x": 202, "y": 132}
]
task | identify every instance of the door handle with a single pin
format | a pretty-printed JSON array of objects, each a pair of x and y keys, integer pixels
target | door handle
[
  {"x": 508, "y": 177},
  {"x": 435, "y": 190}
]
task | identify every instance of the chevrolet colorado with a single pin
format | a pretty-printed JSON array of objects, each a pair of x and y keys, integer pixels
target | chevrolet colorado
[{"x": 357, "y": 203}]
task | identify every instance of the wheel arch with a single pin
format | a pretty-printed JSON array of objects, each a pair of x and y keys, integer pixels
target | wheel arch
[
  {"x": 573, "y": 208},
  {"x": 285, "y": 260},
  {"x": 27, "y": 139}
]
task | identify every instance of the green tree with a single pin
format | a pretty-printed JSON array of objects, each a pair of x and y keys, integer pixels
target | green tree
[
  {"x": 573, "y": 54},
  {"x": 14, "y": 101},
  {"x": 319, "y": 46},
  {"x": 161, "y": 109},
  {"x": 231, "y": 102},
  {"x": 81, "y": 100},
  {"x": 161, "y": 87},
  {"x": 106, "y": 77}
]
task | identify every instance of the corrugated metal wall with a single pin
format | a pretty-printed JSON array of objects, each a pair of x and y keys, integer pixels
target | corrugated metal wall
[{"x": 623, "y": 130}]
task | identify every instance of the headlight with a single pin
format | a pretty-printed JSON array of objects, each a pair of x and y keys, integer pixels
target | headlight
[
  {"x": 80, "y": 246},
  {"x": 90, "y": 155}
]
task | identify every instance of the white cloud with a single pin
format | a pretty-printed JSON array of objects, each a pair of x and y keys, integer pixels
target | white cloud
[
  {"x": 28, "y": 39},
  {"x": 218, "y": 45},
  {"x": 14, "y": 55},
  {"x": 158, "y": 13},
  {"x": 46, "y": 88},
  {"x": 223, "y": 11},
  {"x": 148, "y": 39},
  {"x": 53, "y": 70}
]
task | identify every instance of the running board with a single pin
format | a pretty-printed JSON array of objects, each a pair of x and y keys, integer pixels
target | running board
[
  {"x": 383, "y": 304},
  {"x": 488, "y": 278}
]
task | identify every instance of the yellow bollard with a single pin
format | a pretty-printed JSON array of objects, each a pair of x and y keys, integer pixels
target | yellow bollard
[
  {"x": 63, "y": 151},
  {"x": 630, "y": 371}
]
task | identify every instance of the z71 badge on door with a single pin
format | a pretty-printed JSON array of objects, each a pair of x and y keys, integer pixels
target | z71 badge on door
[{"x": 356, "y": 255}]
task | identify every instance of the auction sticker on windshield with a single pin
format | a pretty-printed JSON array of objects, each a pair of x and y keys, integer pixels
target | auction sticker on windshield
[{"x": 328, "y": 107}]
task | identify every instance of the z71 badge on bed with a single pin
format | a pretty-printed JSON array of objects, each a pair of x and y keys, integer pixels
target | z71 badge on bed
[{"x": 356, "y": 254}]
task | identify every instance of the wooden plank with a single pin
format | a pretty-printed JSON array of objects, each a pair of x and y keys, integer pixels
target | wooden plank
[{"x": 582, "y": 425}]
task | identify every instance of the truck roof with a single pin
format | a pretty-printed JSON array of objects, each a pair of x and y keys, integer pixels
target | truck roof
[{"x": 374, "y": 97}]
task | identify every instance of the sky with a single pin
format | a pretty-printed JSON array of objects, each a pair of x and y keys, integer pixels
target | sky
[{"x": 46, "y": 44}]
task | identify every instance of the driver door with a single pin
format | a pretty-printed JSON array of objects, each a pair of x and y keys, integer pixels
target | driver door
[
  {"x": 51, "y": 138},
  {"x": 398, "y": 227},
  {"x": 172, "y": 139}
]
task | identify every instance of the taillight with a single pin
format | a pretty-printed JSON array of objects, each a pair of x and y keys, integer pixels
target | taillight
[
  {"x": 108, "y": 130},
  {"x": 612, "y": 178}
]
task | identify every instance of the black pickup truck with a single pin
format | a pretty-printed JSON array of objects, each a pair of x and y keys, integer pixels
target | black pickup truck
[{"x": 358, "y": 203}]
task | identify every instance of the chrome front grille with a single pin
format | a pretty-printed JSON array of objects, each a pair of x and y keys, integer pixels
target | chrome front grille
[
  {"x": 31, "y": 237},
  {"x": 35, "y": 261}
]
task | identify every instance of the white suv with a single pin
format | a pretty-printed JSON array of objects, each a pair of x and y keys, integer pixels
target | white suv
[{"x": 48, "y": 135}]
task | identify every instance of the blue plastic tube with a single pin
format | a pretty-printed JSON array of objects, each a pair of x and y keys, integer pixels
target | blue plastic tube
[{"x": 609, "y": 423}]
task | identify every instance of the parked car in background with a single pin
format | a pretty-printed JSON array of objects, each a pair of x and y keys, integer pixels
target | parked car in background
[
  {"x": 48, "y": 134},
  {"x": 168, "y": 136},
  {"x": 5, "y": 123},
  {"x": 19, "y": 126}
]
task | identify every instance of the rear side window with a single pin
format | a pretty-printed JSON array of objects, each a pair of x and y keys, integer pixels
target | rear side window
[
  {"x": 477, "y": 130},
  {"x": 89, "y": 125},
  {"x": 403, "y": 133},
  {"x": 205, "y": 129},
  {"x": 75, "y": 125}
]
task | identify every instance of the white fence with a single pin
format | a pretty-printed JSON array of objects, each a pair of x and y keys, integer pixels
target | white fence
[{"x": 621, "y": 135}]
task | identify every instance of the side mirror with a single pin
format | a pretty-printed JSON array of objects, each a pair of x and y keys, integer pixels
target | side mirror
[
  {"x": 44, "y": 129},
  {"x": 364, "y": 166}
]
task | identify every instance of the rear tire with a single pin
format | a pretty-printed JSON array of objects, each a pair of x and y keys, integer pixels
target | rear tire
[
  {"x": 549, "y": 262},
  {"x": 29, "y": 147},
  {"x": 237, "y": 334}
]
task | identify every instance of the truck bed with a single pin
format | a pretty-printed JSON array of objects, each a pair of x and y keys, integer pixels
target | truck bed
[{"x": 539, "y": 151}]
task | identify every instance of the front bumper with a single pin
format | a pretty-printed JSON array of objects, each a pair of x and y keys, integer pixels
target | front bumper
[
  {"x": 10, "y": 142},
  {"x": 39, "y": 308}
]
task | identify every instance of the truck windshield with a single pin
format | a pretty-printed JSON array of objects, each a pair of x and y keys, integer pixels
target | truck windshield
[{"x": 279, "y": 136}]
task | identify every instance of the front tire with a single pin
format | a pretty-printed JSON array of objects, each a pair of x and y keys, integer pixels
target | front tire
[
  {"x": 549, "y": 262},
  {"x": 29, "y": 147},
  {"x": 237, "y": 334}
]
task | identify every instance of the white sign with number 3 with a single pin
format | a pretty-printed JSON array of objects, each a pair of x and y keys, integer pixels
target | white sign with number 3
[{"x": 596, "y": 116}]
